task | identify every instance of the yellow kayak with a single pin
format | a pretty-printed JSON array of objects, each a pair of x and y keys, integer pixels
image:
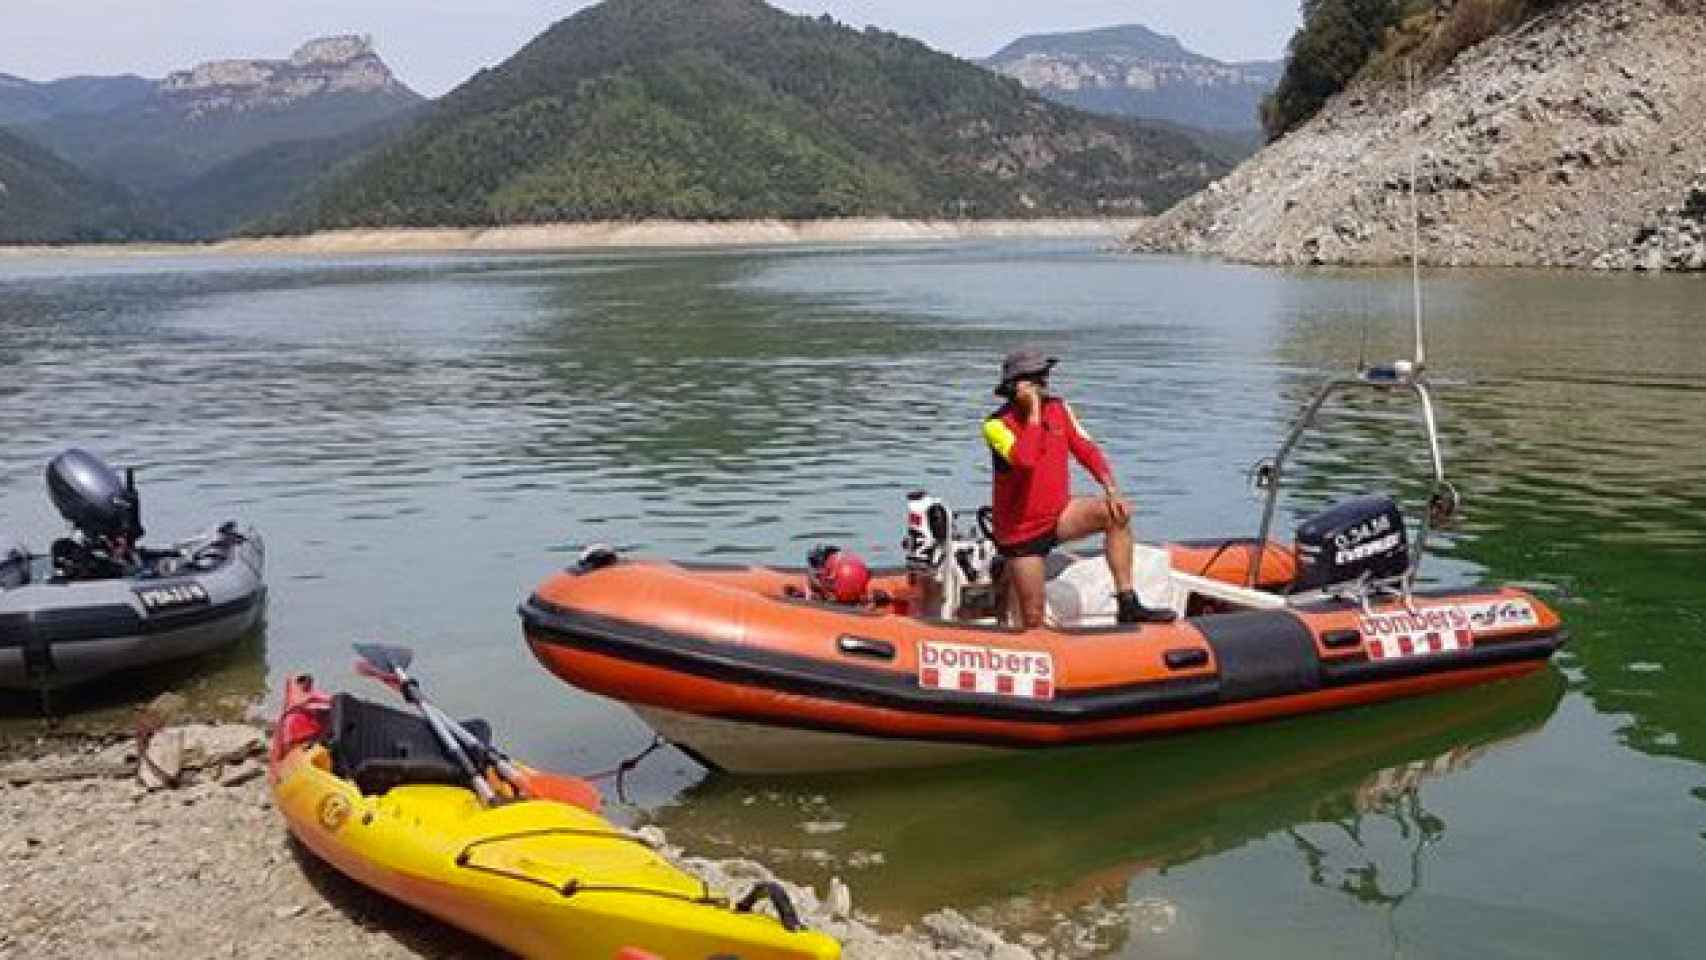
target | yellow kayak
[{"x": 367, "y": 790}]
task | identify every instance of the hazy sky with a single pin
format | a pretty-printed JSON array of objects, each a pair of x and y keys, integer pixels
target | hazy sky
[{"x": 434, "y": 46}]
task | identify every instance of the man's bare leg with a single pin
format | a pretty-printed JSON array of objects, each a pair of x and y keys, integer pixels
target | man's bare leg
[
  {"x": 1027, "y": 600},
  {"x": 1088, "y": 516}
]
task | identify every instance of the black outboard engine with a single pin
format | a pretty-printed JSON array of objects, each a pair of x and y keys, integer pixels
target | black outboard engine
[
  {"x": 1357, "y": 538},
  {"x": 104, "y": 510}
]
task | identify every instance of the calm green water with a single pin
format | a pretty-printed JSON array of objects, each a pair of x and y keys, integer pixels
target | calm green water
[{"x": 422, "y": 440}]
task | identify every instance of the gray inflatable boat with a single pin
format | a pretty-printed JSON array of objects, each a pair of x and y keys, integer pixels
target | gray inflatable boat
[{"x": 100, "y": 603}]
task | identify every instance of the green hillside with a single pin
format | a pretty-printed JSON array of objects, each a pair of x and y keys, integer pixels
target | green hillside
[
  {"x": 43, "y": 199},
  {"x": 158, "y": 145},
  {"x": 732, "y": 109},
  {"x": 265, "y": 181}
]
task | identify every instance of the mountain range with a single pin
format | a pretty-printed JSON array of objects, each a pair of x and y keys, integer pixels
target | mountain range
[
  {"x": 45, "y": 198},
  {"x": 695, "y": 109},
  {"x": 1134, "y": 71},
  {"x": 25, "y": 101},
  {"x": 726, "y": 109}
]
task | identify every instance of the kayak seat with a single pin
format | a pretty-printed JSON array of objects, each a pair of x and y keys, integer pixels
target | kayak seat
[{"x": 379, "y": 748}]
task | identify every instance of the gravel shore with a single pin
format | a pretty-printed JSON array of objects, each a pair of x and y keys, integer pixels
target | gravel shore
[
  {"x": 95, "y": 863},
  {"x": 546, "y": 238}
]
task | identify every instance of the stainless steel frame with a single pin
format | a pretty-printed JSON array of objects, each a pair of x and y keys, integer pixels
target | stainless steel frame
[{"x": 1396, "y": 377}]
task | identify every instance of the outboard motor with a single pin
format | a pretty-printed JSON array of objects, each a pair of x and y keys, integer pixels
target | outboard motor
[
  {"x": 105, "y": 511},
  {"x": 90, "y": 495},
  {"x": 1361, "y": 538}
]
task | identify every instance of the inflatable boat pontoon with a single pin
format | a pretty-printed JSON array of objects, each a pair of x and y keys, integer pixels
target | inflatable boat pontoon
[
  {"x": 743, "y": 668},
  {"x": 100, "y": 603}
]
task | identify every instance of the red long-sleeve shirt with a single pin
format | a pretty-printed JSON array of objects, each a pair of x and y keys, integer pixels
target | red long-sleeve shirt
[{"x": 1032, "y": 488}]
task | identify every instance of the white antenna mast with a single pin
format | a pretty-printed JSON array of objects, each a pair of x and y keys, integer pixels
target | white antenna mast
[{"x": 1415, "y": 225}]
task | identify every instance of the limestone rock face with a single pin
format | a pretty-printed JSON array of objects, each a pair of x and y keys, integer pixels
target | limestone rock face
[
  {"x": 1572, "y": 141},
  {"x": 1133, "y": 71},
  {"x": 345, "y": 64}
]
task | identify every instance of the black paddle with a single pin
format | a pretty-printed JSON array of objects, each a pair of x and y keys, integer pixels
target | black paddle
[{"x": 387, "y": 665}]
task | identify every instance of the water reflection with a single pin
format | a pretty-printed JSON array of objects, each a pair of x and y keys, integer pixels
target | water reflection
[
  {"x": 422, "y": 439},
  {"x": 1565, "y": 431},
  {"x": 1061, "y": 830}
]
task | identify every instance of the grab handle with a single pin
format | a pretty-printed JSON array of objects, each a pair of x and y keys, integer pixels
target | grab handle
[{"x": 778, "y": 897}]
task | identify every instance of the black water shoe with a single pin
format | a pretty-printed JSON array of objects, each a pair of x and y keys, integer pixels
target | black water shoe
[{"x": 1132, "y": 610}]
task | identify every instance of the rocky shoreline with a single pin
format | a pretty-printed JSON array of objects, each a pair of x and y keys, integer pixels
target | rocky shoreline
[
  {"x": 563, "y": 237},
  {"x": 104, "y": 854},
  {"x": 1577, "y": 140}
]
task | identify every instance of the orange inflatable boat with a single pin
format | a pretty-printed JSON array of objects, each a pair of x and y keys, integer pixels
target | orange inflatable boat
[{"x": 746, "y": 670}]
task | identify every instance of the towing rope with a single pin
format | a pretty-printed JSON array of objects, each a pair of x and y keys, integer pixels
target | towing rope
[{"x": 621, "y": 770}]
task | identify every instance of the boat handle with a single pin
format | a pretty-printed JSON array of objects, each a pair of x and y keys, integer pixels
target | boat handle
[
  {"x": 1340, "y": 639},
  {"x": 1185, "y": 658},
  {"x": 865, "y": 647},
  {"x": 778, "y": 897}
]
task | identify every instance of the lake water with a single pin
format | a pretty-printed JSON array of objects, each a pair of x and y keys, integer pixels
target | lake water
[{"x": 423, "y": 439}]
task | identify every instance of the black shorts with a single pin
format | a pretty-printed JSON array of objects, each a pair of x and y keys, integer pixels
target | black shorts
[{"x": 1039, "y": 547}]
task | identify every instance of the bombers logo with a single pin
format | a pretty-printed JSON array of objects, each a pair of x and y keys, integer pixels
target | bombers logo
[
  {"x": 973, "y": 669},
  {"x": 1388, "y": 636}
]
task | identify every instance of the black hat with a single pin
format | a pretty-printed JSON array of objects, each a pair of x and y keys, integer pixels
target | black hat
[{"x": 1020, "y": 364}]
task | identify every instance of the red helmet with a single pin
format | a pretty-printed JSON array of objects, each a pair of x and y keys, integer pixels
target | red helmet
[{"x": 839, "y": 575}]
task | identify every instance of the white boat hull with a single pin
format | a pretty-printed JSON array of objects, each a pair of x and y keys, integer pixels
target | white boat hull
[{"x": 753, "y": 748}]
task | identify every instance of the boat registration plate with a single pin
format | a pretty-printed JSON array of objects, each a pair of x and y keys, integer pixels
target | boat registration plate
[
  {"x": 964, "y": 668},
  {"x": 172, "y": 596}
]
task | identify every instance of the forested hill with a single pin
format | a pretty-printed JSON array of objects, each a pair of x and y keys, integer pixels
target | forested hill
[
  {"x": 733, "y": 109},
  {"x": 43, "y": 199}
]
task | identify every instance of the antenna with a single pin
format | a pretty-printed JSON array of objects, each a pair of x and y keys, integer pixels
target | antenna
[{"x": 1415, "y": 225}]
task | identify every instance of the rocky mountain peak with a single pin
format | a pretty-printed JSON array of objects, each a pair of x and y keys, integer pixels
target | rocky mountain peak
[
  {"x": 1133, "y": 71},
  {"x": 333, "y": 51},
  {"x": 340, "y": 64}
]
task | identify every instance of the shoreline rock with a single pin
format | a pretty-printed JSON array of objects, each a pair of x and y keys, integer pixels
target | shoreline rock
[
  {"x": 1554, "y": 145},
  {"x": 95, "y": 863}
]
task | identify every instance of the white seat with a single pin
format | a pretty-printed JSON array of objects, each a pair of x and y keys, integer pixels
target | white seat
[{"x": 1083, "y": 594}]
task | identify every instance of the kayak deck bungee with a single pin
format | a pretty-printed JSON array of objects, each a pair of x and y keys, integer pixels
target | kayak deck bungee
[
  {"x": 737, "y": 668},
  {"x": 369, "y": 790}
]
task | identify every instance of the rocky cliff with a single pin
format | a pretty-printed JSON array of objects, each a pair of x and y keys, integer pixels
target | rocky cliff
[
  {"x": 1133, "y": 71},
  {"x": 1575, "y": 140},
  {"x": 198, "y": 119},
  {"x": 330, "y": 65}
]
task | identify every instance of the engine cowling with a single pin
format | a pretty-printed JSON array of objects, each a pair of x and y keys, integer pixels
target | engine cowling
[
  {"x": 1365, "y": 536},
  {"x": 90, "y": 495}
]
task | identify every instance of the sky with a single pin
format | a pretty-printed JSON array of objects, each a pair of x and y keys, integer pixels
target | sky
[{"x": 433, "y": 46}]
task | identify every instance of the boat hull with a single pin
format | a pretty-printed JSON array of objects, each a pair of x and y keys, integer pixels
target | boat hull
[
  {"x": 540, "y": 878},
  {"x": 57, "y": 635},
  {"x": 755, "y": 684},
  {"x": 740, "y": 746}
]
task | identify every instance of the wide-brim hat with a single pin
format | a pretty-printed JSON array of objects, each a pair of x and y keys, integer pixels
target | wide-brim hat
[{"x": 1020, "y": 364}]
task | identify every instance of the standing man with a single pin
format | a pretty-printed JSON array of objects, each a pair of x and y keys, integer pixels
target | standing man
[{"x": 1029, "y": 439}]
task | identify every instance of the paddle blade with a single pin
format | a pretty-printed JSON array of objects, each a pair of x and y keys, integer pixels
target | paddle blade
[
  {"x": 385, "y": 657},
  {"x": 570, "y": 790},
  {"x": 367, "y": 669}
]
